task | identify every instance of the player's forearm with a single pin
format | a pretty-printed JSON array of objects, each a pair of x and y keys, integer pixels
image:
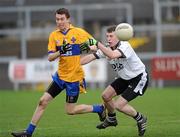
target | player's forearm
[
  {"x": 107, "y": 51},
  {"x": 53, "y": 56},
  {"x": 86, "y": 59}
]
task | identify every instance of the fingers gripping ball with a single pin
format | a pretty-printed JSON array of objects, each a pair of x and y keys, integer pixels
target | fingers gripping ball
[{"x": 124, "y": 31}]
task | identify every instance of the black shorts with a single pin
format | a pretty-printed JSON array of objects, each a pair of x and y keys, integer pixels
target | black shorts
[
  {"x": 130, "y": 89},
  {"x": 55, "y": 90}
]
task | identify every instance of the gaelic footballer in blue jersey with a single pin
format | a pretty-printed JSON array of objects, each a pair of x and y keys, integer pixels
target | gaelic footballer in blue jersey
[{"x": 64, "y": 44}]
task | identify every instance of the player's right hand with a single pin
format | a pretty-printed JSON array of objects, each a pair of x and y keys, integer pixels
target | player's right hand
[{"x": 64, "y": 48}]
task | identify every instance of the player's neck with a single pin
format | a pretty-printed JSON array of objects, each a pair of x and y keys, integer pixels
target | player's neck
[
  {"x": 115, "y": 46},
  {"x": 65, "y": 29}
]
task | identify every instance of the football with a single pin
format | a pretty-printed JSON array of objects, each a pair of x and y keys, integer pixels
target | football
[{"x": 124, "y": 31}]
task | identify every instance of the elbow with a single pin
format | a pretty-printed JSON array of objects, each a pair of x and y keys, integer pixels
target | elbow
[
  {"x": 82, "y": 62},
  {"x": 50, "y": 59}
]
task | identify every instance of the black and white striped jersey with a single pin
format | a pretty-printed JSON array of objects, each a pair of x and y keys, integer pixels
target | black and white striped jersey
[{"x": 128, "y": 65}]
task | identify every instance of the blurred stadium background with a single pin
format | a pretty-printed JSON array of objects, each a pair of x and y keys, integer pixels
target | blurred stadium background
[{"x": 26, "y": 24}]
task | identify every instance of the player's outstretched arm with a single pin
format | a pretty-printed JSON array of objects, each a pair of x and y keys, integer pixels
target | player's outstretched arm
[
  {"x": 87, "y": 59},
  {"x": 112, "y": 54}
]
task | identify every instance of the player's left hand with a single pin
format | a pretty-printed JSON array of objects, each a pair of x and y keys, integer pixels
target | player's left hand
[
  {"x": 90, "y": 44},
  {"x": 84, "y": 47}
]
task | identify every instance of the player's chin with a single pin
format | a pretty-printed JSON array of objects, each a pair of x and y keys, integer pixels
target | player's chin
[{"x": 61, "y": 27}]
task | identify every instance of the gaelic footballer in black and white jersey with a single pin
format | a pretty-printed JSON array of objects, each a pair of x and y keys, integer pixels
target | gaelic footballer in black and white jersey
[{"x": 131, "y": 82}]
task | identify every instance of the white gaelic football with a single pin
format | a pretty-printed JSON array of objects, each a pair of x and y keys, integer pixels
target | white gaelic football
[{"x": 124, "y": 31}]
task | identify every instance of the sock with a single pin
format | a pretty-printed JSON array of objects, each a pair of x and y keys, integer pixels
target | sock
[
  {"x": 138, "y": 117},
  {"x": 111, "y": 117},
  {"x": 30, "y": 128},
  {"x": 98, "y": 108}
]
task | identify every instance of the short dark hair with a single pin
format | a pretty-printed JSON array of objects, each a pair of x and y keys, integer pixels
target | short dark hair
[
  {"x": 63, "y": 11},
  {"x": 111, "y": 29}
]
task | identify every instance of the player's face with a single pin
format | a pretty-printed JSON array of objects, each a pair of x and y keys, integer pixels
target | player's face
[
  {"x": 111, "y": 39},
  {"x": 62, "y": 22}
]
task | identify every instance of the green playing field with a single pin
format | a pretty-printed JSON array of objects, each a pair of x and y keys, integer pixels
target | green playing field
[{"x": 161, "y": 106}]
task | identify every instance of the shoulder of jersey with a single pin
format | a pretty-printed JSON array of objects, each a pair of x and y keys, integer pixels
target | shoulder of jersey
[{"x": 125, "y": 43}]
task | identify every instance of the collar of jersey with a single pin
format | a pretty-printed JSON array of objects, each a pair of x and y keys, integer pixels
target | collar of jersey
[
  {"x": 116, "y": 45},
  {"x": 65, "y": 32}
]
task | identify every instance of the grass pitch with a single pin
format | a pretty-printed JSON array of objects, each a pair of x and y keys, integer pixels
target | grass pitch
[{"x": 161, "y": 106}]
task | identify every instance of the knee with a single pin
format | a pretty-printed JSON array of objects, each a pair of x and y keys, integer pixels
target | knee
[
  {"x": 106, "y": 97},
  {"x": 43, "y": 103}
]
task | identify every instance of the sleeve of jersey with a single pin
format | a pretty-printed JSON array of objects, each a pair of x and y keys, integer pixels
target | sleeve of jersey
[
  {"x": 125, "y": 49},
  {"x": 99, "y": 54},
  {"x": 51, "y": 44}
]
